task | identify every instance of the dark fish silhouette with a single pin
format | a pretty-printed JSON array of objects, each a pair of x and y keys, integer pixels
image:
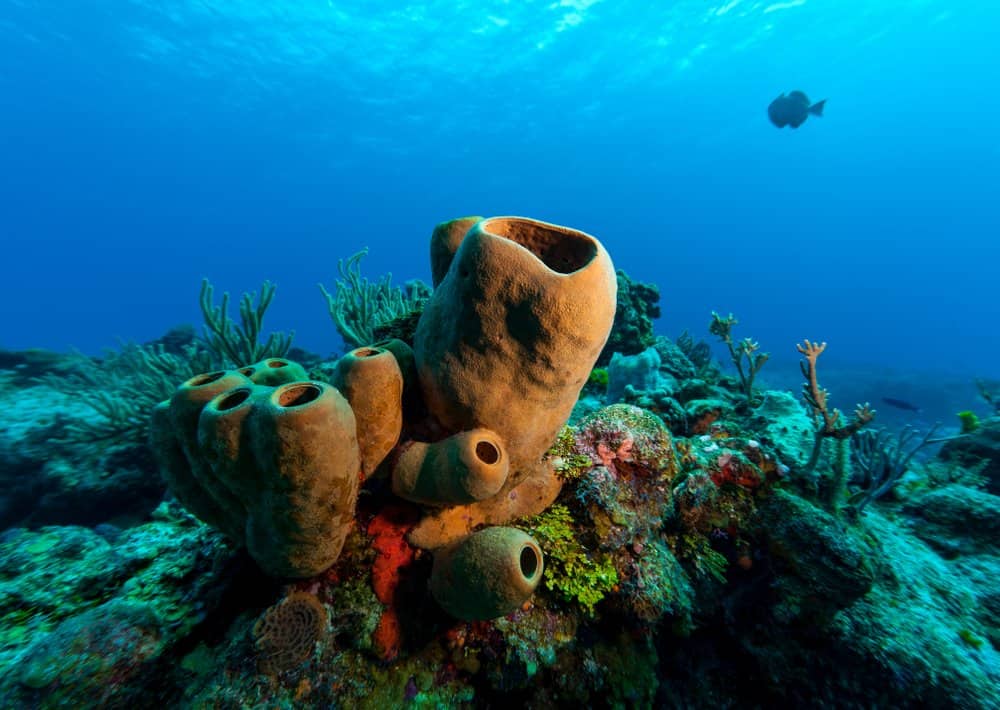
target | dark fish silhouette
[
  {"x": 792, "y": 109},
  {"x": 900, "y": 404}
]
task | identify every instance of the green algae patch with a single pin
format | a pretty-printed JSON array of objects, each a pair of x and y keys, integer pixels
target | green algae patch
[
  {"x": 971, "y": 639},
  {"x": 568, "y": 464},
  {"x": 572, "y": 572}
]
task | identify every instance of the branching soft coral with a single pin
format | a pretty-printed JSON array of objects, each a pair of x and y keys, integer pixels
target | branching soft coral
[
  {"x": 121, "y": 388},
  {"x": 827, "y": 422},
  {"x": 359, "y": 306},
  {"x": 746, "y": 349},
  {"x": 239, "y": 344}
]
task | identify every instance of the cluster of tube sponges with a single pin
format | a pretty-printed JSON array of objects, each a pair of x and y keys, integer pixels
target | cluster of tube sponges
[{"x": 460, "y": 422}]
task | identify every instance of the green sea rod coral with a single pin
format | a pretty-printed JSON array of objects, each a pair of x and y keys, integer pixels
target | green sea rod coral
[
  {"x": 359, "y": 306},
  {"x": 121, "y": 387},
  {"x": 240, "y": 344}
]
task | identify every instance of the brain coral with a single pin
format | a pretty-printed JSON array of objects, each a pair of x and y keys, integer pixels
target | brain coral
[{"x": 287, "y": 633}]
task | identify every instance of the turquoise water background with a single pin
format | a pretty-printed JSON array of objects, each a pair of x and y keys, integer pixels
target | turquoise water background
[{"x": 148, "y": 144}]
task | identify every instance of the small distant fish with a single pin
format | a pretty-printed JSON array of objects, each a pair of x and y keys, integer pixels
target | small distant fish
[
  {"x": 900, "y": 404},
  {"x": 792, "y": 109}
]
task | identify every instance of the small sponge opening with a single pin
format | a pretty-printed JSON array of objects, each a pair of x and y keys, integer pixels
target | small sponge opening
[
  {"x": 277, "y": 363},
  {"x": 205, "y": 378},
  {"x": 529, "y": 561},
  {"x": 487, "y": 452},
  {"x": 233, "y": 399},
  {"x": 298, "y": 395}
]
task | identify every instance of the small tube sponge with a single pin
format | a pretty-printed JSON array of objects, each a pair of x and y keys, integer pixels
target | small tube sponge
[
  {"x": 303, "y": 440},
  {"x": 463, "y": 468},
  {"x": 488, "y": 574},
  {"x": 371, "y": 380},
  {"x": 408, "y": 368},
  {"x": 222, "y": 444}
]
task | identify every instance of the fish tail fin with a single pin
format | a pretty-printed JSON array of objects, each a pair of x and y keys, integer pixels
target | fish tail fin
[{"x": 817, "y": 108}]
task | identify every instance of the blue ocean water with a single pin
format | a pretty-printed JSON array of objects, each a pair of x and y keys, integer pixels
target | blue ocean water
[
  {"x": 147, "y": 145},
  {"x": 731, "y": 546}
]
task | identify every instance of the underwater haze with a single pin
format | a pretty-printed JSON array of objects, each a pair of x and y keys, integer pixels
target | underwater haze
[{"x": 147, "y": 145}]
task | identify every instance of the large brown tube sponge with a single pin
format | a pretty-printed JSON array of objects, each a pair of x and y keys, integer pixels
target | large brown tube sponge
[
  {"x": 463, "y": 468},
  {"x": 174, "y": 441},
  {"x": 445, "y": 240},
  {"x": 275, "y": 467},
  {"x": 488, "y": 574},
  {"x": 304, "y": 442},
  {"x": 511, "y": 333},
  {"x": 371, "y": 380},
  {"x": 408, "y": 369}
]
